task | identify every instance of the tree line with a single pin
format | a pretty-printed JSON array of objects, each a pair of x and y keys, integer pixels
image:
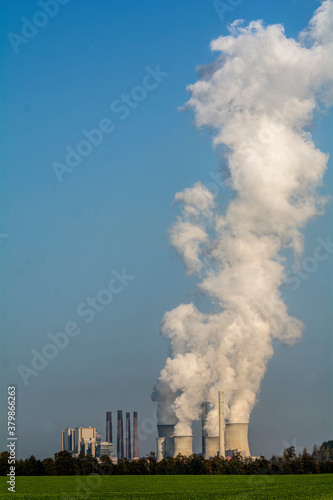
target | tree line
[{"x": 64, "y": 464}]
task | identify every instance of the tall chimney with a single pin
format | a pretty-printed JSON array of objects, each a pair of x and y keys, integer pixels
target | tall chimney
[
  {"x": 120, "y": 435},
  {"x": 203, "y": 420},
  {"x": 109, "y": 427},
  {"x": 128, "y": 437},
  {"x": 221, "y": 425},
  {"x": 135, "y": 436}
]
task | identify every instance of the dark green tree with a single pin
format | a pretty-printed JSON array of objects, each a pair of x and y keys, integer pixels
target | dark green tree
[
  {"x": 33, "y": 467},
  {"x": 198, "y": 465},
  {"x": 310, "y": 466},
  {"x": 65, "y": 464},
  {"x": 4, "y": 466},
  {"x": 326, "y": 450},
  {"x": 236, "y": 464},
  {"x": 20, "y": 469},
  {"x": 219, "y": 465},
  {"x": 49, "y": 467},
  {"x": 141, "y": 466},
  {"x": 315, "y": 453},
  {"x": 105, "y": 467}
]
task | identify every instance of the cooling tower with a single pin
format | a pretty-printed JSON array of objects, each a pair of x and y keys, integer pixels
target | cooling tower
[
  {"x": 160, "y": 441},
  {"x": 165, "y": 431},
  {"x": 182, "y": 445},
  {"x": 236, "y": 438},
  {"x": 165, "y": 444},
  {"x": 212, "y": 447},
  {"x": 135, "y": 436}
]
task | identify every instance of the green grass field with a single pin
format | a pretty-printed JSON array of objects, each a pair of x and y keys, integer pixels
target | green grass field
[{"x": 311, "y": 487}]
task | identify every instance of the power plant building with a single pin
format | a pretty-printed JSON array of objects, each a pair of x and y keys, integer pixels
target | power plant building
[
  {"x": 81, "y": 439},
  {"x": 106, "y": 449},
  {"x": 88, "y": 440}
]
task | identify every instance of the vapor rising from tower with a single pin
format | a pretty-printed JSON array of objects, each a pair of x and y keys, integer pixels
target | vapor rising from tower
[{"x": 258, "y": 97}]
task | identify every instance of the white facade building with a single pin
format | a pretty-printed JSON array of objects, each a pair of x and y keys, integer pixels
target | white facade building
[{"x": 81, "y": 439}]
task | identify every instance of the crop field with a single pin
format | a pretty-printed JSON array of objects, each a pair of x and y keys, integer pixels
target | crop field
[{"x": 311, "y": 487}]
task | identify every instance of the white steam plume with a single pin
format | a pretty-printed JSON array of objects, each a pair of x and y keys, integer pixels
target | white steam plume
[{"x": 258, "y": 96}]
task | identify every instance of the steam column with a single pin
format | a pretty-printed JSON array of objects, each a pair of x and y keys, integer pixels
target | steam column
[
  {"x": 221, "y": 425},
  {"x": 135, "y": 436}
]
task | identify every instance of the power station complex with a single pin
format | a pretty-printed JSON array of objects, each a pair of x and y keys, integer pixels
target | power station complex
[
  {"x": 230, "y": 437},
  {"x": 88, "y": 440}
]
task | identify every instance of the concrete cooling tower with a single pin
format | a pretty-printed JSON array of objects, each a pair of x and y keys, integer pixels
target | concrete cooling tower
[
  {"x": 182, "y": 445},
  {"x": 229, "y": 438},
  {"x": 211, "y": 447},
  {"x": 165, "y": 441},
  {"x": 236, "y": 438}
]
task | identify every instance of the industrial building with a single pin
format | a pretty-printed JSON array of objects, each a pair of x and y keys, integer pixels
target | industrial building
[
  {"x": 230, "y": 437},
  {"x": 81, "y": 439},
  {"x": 87, "y": 440}
]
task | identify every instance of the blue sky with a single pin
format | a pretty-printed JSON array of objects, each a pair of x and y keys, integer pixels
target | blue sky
[{"x": 62, "y": 240}]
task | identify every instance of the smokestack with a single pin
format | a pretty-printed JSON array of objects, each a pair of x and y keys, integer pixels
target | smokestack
[
  {"x": 236, "y": 438},
  {"x": 135, "y": 436},
  {"x": 120, "y": 435},
  {"x": 109, "y": 427},
  {"x": 128, "y": 436},
  {"x": 221, "y": 425},
  {"x": 203, "y": 420},
  {"x": 182, "y": 446}
]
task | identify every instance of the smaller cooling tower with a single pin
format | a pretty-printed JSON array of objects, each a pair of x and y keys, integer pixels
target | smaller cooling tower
[
  {"x": 182, "y": 446},
  {"x": 165, "y": 444},
  {"x": 212, "y": 447},
  {"x": 236, "y": 438},
  {"x": 160, "y": 441},
  {"x": 165, "y": 431}
]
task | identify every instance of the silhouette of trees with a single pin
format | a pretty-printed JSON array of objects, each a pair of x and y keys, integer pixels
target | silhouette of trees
[{"x": 320, "y": 461}]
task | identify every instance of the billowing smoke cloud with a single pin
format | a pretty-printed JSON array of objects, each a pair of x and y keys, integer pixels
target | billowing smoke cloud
[{"x": 258, "y": 96}]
